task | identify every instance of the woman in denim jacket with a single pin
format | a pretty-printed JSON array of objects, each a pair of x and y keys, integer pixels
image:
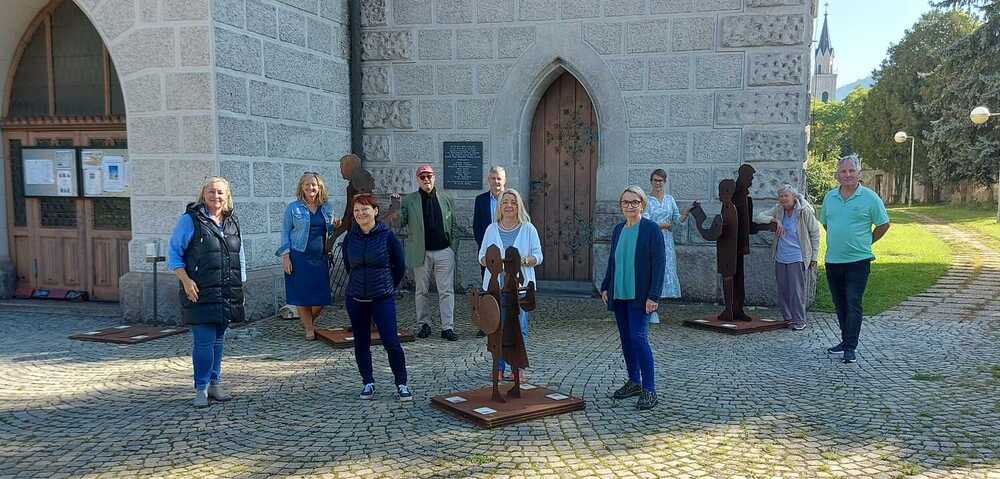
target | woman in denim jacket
[{"x": 304, "y": 228}]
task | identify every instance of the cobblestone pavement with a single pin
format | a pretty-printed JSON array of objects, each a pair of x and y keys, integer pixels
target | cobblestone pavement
[{"x": 922, "y": 401}]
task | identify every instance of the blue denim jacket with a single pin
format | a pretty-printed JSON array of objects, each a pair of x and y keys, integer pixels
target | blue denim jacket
[{"x": 295, "y": 225}]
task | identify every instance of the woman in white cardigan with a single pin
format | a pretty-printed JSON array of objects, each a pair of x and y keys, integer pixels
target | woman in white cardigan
[
  {"x": 513, "y": 228},
  {"x": 794, "y": 252}
]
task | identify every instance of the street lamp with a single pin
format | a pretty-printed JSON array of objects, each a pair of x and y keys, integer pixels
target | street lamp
[
  {"x": 980, "y": 115},
  {"x": 901, "y": 137}
]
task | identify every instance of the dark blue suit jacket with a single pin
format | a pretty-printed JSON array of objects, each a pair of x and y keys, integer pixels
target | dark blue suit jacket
[
  {"x": 481, "y": 218},
  {"x": 650, "y": 261}
]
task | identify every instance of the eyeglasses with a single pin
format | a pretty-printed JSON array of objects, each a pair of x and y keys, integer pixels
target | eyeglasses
[
  {"x": 426, "y": 176},
  {"x": 631, "y": 204}
]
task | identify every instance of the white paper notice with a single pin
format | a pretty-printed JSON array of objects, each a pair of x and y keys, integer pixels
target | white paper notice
[
  {"x": 557, "y": 396},
  {"x": 484, "y": 410},
  {"x": 39, "y": 172},
  {"x": 114, "y": 174},
  {"x": 527, "y": 386},
  {"x": 92, "y": 181},
  {"x": 455, "y": 399},
  {"x": 64, "y": 182}
]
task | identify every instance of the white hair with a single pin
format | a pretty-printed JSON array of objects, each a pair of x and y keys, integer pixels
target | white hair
[
  {"x": 800, "y": 201},
  {"x": 498, "y": 170},
  {"x": 855, "y": 161}
]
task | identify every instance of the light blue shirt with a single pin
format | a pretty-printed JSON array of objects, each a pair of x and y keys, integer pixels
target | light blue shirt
[
  {"x": 181, "y": 238},
  {"x": 789, "y": 250},
  {"x": 849, "y": 224},
  {"x": 493, "y": 208}
]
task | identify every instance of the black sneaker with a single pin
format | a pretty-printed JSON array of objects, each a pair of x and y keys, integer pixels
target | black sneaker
[
  {"x": 480, "y": 334},
  {"x": 449, "y": 335},
  {"x": 630, "y": 389},
  {"x": 368, "y": 392},
  {"x": 425, "y": 330},
  {"x": 835, "y": 349},
  {"x": 850, "y": 357},
  {"x": 647, "y": 400},
  {"x": 404, "y": 393}
]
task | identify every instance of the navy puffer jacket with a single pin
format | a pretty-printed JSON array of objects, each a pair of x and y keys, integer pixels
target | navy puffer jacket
[{"x": 374, "y": 262}]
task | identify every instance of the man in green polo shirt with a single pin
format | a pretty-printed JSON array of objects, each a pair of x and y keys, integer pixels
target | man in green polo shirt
[{"x": 848, "y": 214}]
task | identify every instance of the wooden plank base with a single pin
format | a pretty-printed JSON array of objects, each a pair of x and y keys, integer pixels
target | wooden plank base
[
  {"x": 129, "y": 334},
  {"x": 534, "y": 403},
  {"x": 341, "y": 338},
  {"x": 756, "y": 325}
]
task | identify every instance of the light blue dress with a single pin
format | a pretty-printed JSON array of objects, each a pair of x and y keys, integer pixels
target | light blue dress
[{"x": 661, "y": 213}]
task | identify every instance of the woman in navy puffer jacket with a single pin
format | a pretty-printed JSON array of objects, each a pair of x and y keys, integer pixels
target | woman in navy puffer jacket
[{"x": 374, "y": 260}]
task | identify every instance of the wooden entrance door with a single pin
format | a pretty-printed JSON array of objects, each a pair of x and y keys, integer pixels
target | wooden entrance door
[
  {"x": 563, "y": 179},
  {"x": 71, "y": 243}
]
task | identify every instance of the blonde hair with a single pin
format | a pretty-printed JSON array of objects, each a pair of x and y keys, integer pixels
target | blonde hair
[
  {"x": 522, "y": 214},
  {"x": 228, "y": 207},
  {"x": 638, "y": 191},
  {"x": 321, "y": 197}
]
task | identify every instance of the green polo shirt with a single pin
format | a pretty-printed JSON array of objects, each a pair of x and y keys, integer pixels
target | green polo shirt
[{"x": 849, "y": 224}]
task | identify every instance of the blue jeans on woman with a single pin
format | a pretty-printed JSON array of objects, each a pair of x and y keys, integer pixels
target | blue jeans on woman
[
  {"x": 633, "y": 330},
  {"x": 206, "y": 353},
  {"x": 522, "y": 319},
  {"x": 383, "y": 313}
]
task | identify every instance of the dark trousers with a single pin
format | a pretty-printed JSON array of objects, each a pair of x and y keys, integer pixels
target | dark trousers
[
  {"x": 382, "y": 312},
  {"x": 847, "y": 286},
  {"x": 633, "y": 330}
]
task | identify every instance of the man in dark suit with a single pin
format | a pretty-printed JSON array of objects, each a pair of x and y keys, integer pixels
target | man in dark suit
[{"x": 486, "y": 207}]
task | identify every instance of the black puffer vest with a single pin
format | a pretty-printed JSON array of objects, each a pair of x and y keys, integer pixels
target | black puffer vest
[
  {"x": 374, "y": 261},
  {"x": 213, "y": 262}
]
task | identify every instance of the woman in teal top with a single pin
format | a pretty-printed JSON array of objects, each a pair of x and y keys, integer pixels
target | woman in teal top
[{"x": 631, "y": 288}]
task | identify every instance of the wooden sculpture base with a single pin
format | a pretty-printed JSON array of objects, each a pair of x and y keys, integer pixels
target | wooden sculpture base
[
  {"x": 478, "y": 407},
  {"x": 341, "y": 338},
  {"x": 757, "y": 325},
  {"x": 129, "y": 334}
]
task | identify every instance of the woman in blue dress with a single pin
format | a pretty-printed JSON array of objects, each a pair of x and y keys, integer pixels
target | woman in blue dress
[
  {"x": 303, "y": 232},
  {"x": 663, "y": 211}
]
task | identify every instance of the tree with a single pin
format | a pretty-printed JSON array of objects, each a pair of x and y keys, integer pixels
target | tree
[
  {"x": 901, "y": 86},
  {"x": 828, "y": 138}
]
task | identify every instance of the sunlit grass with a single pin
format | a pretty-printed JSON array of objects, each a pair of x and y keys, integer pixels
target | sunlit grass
[
  {"x": 908, "y": 260},
  {"x": 981, "y": 219}
]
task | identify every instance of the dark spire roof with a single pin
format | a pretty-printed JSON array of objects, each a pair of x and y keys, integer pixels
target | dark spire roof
[{"x": 824, "y": 37}]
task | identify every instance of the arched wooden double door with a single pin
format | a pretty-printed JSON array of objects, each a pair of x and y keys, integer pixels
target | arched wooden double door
[
  {"x": 563, "y": 179},
  {"x": 64, "y": 93}
]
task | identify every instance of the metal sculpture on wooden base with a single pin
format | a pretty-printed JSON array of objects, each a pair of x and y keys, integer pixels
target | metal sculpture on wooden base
[
  {"x": 503, "y": 334},
  {"x": 725, "y": 233}
]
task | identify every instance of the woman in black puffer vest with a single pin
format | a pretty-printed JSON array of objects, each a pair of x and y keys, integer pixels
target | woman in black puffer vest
[
  {"x": 374, "y": 260},
  {"x": 206, "y": 254}
]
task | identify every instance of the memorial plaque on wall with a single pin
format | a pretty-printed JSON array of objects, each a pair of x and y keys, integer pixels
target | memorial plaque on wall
[{"x": 463, "y": 165}]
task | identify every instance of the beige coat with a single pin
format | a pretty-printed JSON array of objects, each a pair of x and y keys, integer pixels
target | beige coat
[{"x": 807, "y": 226}]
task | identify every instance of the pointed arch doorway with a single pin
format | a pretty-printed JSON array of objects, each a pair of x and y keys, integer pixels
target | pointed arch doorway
[{"x": 563, "y": 179}]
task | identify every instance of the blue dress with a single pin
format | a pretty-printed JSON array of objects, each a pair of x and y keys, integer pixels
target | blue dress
[
  {"x": 661, "y": 212},
  {"x": 309, "y": 283}
]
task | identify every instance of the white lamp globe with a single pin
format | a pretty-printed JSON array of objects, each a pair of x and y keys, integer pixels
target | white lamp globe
[
  {"x": 979, "y": 115},
  {"x": 900, "y": 137}
]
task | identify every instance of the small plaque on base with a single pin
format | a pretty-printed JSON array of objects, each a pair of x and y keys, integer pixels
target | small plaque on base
[
  {"x": 128, "y": 334},
  {"x": 756, "y": 325},
  {"x": 480, "y": 408},
  {"x": 340, "y": 338}
]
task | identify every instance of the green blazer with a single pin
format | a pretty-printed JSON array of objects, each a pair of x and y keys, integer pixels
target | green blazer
[{"x": 411, "y": 217}]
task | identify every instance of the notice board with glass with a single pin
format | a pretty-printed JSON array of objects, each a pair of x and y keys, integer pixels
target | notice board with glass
[
  {"x": 50, "y": 172},
  {"x": 105, "y": 172}
]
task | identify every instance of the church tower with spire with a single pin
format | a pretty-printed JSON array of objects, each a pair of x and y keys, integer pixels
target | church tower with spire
[{"x": 824, "y": 77}]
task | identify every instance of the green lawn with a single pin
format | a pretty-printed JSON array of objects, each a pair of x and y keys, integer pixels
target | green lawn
[
  {"x": 981, "y": 219},
  {"x": 908, "y": 259}
]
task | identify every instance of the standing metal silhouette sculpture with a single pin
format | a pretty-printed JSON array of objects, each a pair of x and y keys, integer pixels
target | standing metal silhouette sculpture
[
  {"x": 503, "y": 334},
  {"x": 725, "y": 233}
]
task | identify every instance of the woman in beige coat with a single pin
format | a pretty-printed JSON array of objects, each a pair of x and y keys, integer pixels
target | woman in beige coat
[{"x": 795, "y": 249}]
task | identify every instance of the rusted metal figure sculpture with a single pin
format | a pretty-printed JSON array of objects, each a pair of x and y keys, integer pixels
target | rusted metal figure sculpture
[
  {"x": 503, "y": 334},
  {"x": 725, "y": 232}
]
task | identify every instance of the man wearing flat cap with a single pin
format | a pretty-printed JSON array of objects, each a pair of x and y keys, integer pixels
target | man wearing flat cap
[{"x": 428, "y": 217}]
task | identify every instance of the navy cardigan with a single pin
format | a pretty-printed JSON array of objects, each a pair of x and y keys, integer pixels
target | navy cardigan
[
  {"x": 481, "y": 217},
  {"x": 374, "y": 262},
  {"x": 650, "y": 261}
]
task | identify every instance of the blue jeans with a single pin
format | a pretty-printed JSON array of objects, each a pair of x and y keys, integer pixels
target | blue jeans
[
  {"x": 206, "y": 353},
  {"x": 633, "y": 330},
  {"x": 522, "y": 318},
  {"x": 847, "y": 286},
  {"x": 383, "y": 313}
]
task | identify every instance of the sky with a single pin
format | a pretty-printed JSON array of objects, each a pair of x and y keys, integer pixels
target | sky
[{"x": 862, "y": 30}]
